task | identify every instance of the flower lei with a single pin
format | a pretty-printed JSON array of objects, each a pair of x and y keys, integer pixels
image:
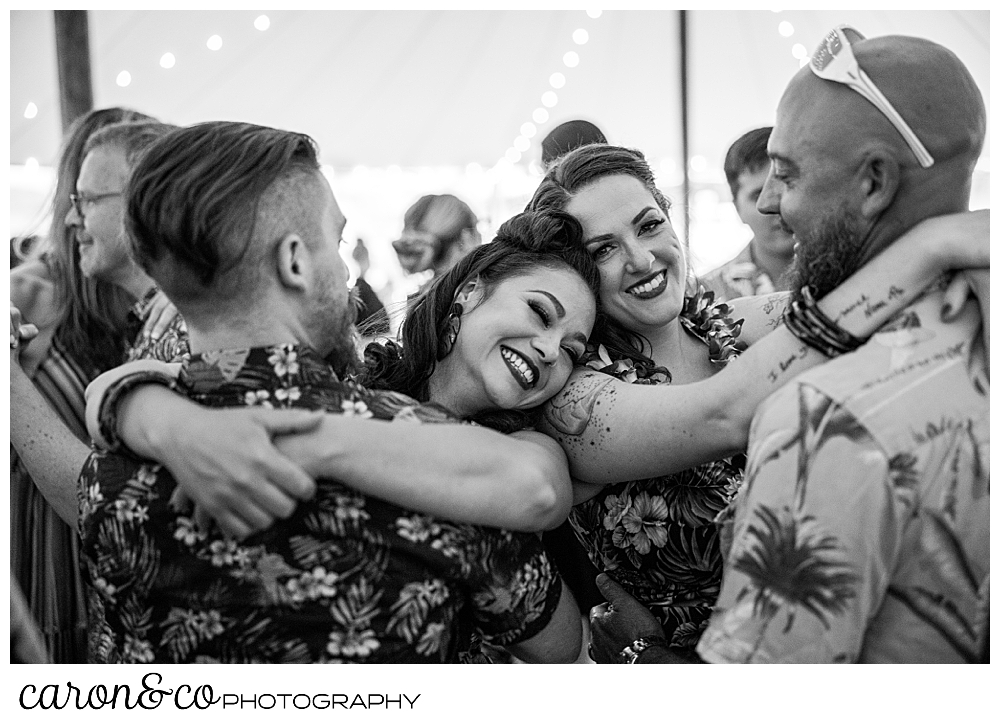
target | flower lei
[{"x": 702, "y": 317}]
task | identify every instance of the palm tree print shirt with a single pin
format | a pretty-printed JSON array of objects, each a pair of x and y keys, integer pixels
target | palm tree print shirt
[
  {"x": 346, "y": 579},
  {"x": 862, "y": 531}
]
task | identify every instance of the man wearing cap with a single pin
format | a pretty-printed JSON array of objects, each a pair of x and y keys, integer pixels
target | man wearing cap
[{"x": 861, "y": 533}]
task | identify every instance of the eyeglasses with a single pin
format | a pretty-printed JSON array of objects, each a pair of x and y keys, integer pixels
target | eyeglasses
[
  {"x": 834, "y": 60},
  {"x": 78, "y": 200}
]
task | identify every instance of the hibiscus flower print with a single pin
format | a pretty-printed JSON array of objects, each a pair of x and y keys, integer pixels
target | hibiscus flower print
[
  {"x": 284, "y": 359},
  {"x": 352, "y": 642},
  {"x": 290, "y": 394},
  {"x": 188, "y": 532},
  {"x": 356, "y": 408},
  {"x": 317, "y": 583},
  {"x": 127, "y": 510},
  {"x": 257, "y": 398},
  {"x": 644, "y": 524},
  {"x": 417, "y": 528},
  {"x": 137, "y": 651}
]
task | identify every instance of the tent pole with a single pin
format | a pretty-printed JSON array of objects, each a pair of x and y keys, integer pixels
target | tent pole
[
  {"x": 76, "y": 94},
  {"x": 683, "y": 27}
]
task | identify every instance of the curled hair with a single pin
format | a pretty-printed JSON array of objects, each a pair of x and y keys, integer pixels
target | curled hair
[
  {"x": 523, "y": 244},
  {"x": 193, "y": 196},
  {"x": 571, "y": 173}
]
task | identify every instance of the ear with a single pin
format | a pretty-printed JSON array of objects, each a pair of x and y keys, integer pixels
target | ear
[
  {"x": 880, "y": 178},
  {"x": 293, "y": 262}
]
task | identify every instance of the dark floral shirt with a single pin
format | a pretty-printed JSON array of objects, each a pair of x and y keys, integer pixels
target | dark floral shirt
[
  {"x": 346, "y": 579},
  {"x": 658, "y": 537}
]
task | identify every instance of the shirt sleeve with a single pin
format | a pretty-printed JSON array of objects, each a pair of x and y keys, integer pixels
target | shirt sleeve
[
  {"x": 815, "y": 537},
  {"x": 517, "y": 589}
]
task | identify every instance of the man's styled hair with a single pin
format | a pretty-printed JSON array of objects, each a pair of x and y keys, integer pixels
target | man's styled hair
[
  {"x": 133, "y": 139},
  {"x": 747, "y": 154},
  {"x": 194, "y": 201}
]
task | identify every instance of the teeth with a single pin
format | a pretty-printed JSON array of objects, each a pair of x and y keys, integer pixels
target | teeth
[
  {"x": 650, "y": 285},
  {"x": 519, "y": 364}
]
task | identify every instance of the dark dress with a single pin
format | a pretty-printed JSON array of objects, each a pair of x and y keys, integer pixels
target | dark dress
[{"x": 657, "y": 537}]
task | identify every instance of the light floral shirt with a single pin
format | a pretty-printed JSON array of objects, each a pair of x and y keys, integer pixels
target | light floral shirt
[
  {"x": 862, "y": 531},
  {"x": 346, "y": 579}
]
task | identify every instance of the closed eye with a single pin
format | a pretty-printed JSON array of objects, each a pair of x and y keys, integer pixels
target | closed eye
[
  {"x": 651, "y": 225},
  {"x": 575, "y": 355},
  {"x": 542, "y": 313}
]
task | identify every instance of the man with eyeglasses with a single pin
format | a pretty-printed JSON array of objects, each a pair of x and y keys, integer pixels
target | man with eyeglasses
[
  {"x": 861, "y": 533},
  {"x": 96, "y": 220}
]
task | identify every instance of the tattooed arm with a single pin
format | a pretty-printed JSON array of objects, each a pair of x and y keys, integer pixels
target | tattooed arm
[{"x": 613, "y": 431}]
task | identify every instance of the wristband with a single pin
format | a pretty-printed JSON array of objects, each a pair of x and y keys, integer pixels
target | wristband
[
  {"x": 631, "y": 652},
  {"x": 810, "y": 325}
]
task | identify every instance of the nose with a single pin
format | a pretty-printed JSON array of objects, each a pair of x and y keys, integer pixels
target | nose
[
  {"x": 637, "y": 257},
  {"x": 547, "y": 346},
  {"x": 73, "y": 218},
  {"x": 768, "y": 201}
]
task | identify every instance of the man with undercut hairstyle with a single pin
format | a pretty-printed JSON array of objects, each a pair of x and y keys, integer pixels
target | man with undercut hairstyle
[
  {"x": 861, "y": 533},
  {"x": 238, "y": 226}
]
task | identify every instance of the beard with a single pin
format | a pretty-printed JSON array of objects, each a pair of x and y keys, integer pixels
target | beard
[
  {"x": 830, "y": 253},
  {"x": 339, "y": 333}
]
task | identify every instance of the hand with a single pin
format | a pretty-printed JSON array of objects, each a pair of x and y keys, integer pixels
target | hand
[
  {"x": 616, "y": 624},
  {"x": 161, "y": 313},
  {"x": 20, "y": 334},
  {"x": 974, "y": 283},
  {"x": 960, "y": 241},
  {"x": 225, "y": 462}
]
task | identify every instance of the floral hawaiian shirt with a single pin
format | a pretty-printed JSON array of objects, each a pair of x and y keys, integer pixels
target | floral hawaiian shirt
[
  {"x": 346, "y": 579},
  {"x": 172, "y": 345},
  {"x": 658, "y": 537},
  {"x": 739, "y": 277},
  {"x": 862, "y": 531}
]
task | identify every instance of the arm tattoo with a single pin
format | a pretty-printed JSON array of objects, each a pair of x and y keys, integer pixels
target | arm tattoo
[{"x": 570, "y": 411}]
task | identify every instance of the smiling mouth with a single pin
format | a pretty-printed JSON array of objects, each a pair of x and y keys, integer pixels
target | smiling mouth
[
  {"x": 522, "y": 370},
  {"x": 649, "y": 287}
]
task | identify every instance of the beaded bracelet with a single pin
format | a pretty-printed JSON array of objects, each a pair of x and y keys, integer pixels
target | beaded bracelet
[{"x": 810, "y": 325}]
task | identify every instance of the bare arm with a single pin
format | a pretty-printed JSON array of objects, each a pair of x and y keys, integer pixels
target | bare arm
[
  {"x": 243, "y": 475},
  {"x": 612, "y": 431},
  {"x": 49, "y": 450},
  {"x": 559, "y": 642}
]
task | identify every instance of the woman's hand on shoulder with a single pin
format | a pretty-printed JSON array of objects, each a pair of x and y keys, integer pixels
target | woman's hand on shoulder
[{"x": 955, "y": 241}]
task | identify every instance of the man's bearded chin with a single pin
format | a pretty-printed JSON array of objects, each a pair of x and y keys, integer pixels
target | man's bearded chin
[
  {"x": 345, "y": 356},
  {"x": 828, "y": 255}
]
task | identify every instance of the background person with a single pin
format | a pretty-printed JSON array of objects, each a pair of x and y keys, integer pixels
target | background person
[{"x": 762, "y": 265}]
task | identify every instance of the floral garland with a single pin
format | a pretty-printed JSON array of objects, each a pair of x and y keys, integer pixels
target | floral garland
[{"x": 702, "y": 317}]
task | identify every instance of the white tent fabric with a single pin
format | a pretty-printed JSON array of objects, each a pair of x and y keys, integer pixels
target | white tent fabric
[{"x": 408, "y": 102}]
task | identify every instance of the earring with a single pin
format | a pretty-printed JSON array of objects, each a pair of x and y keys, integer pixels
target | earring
[{"x": 451, "y": 326}]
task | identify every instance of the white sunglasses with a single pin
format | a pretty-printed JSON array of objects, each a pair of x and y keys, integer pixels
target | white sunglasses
[{"x": 834, "y": 60}]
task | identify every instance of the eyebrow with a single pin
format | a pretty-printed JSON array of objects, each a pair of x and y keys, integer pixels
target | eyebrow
[{"x": 635, "y": 220}]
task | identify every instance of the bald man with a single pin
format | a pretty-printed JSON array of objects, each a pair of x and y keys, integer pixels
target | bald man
[{"x": 861, "y": 533}]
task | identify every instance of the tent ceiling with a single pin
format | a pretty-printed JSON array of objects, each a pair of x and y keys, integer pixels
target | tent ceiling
[{"x": 445, "y": 87}]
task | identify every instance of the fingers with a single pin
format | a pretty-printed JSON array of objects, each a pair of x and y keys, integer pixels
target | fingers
[
  {"x": 955, "y": 296},
  {"x": 287, "y": 422},
  {"x": 161, "y": 313},
  {"x": 610, "y": 589}
]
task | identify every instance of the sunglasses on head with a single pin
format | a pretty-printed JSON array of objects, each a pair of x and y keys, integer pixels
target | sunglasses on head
[{"x": 834, "y": 60}]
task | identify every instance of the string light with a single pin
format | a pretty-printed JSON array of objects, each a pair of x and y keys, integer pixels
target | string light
[
  {"x": 571, "y": 59},
  {"x": 31, "y": 164},
  {"x": 512, "y": 155},
  {"x": 580, "y": 36},
  {"x": 528, "y": 129},
  {"x": 799, "y": 51},
  {"x": 31, "y": 111},
  {"x": 786, "y": 29},
  {"x": 549, "y": 99},
  {"x": 557, "y": 80},
  {"x": 522, "y": 144},
  {"x": 262, "y": 22},
  {"x": 168, "y": 60},
  {"x": 214, "y": 43},
  {"x": 124, "y": 78},
  {"x": 540, "y": 116},
  {"x": 594, "y": 14}
]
